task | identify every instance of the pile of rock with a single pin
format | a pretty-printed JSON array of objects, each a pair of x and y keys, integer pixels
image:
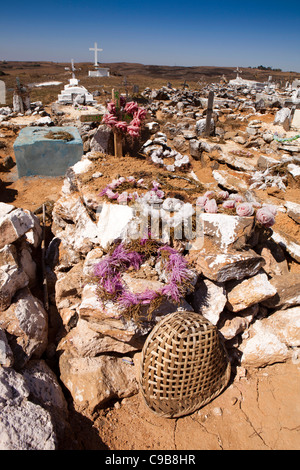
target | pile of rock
[
  {"x": 243, "y": 285},
  {"x": 32, "y": 406},
  {"x": 35, "y": 109}
]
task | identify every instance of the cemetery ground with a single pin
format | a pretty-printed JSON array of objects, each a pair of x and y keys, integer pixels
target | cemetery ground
[
  {"x": 259, "y": 410},
  {"x": 139, "y": 74}
]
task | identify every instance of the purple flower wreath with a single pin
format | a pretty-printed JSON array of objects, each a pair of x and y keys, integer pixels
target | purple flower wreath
[{"x": 108, "y": 275}]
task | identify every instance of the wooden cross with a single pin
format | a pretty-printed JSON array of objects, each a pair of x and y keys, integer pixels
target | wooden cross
[
  {"x": 117, "y": 136},
  {"x": 209, "y": 112}
]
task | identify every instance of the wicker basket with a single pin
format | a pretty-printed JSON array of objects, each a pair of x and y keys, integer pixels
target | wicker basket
[{"x": 183, "y": 365}]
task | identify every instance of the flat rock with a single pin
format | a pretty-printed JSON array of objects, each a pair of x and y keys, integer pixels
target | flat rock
[
  {"x": 84, "y": 341},
  {"x": 227, "y": 231},
  {"x": 288, "y": 291},
  {"x": 289, "y": 243},
  {"x": 230, "y": 182},
  {"x": 250, "y": 291},
  {"x": 239, "y": 163},
  {"x": 293, "y": 210},
  {"x": 272, "y": 339},
  {"x": 263, "y": 347},
  {"x": 92, "y": 381},
  {"x": 222, "y": 267},
  {"x": 106, "y": 318}
]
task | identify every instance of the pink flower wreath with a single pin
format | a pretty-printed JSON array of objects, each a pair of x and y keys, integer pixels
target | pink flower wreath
[
  {"x": 126, "y": 118},
  {"x": 110, "y": 286}
]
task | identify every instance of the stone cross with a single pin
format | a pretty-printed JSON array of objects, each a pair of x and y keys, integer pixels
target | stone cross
[
  {"x": 2, "y": 93},
  {"x": 73, "y": 68},
  {"x": 237, "y": 72},
  {"x": 209, "y": 112},
  {"x": 96, "y": 55}
]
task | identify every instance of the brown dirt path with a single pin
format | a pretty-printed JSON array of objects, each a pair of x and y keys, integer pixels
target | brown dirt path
[{"x": 258, "y": 412}]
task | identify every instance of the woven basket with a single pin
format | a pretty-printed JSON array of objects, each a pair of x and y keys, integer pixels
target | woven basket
[{"x": 183, "y": 365}]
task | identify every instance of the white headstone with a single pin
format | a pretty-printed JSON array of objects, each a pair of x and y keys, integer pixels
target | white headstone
[
  {"x": 296, "y": 120},
  {"x": 2, "y": 92}
]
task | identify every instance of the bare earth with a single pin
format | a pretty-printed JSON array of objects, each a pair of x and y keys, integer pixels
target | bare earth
[{"x": 257, "y": 412}]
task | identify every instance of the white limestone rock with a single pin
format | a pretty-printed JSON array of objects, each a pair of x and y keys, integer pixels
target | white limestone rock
[
  {"x": 249, "y": 292},
  {"x": 293, "y": 210},
  {"x": 263, "y": 347},
  {"x": 26, "y": 321},
  {"x": 113, "y": 223},
  {"x": 12, "y": 278},
  {"x": 6, "y": 354},
  {"x": 227, "y": 231},
  {"x": 5, "y": 209},
  {"x": 229, "y": 182},
  {"x": 283, "y": 118},
  {"x": 201, "y": 124},
  {"x": 92, "y": 381},
  {"x": 15, "y": 224},
  {"x": 23, "y": 425},
  {"x": 222, "y": 267},
  {"x": 84, "y": 341},
  {"x": 286, "y": 241},
  {"x": 287, "y": 291},
  {"x": 272, "y": 339},
  {"x": 209, "y": 299}
]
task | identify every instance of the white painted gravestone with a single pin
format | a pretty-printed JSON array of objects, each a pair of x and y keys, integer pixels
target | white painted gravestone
[
  {"x": 2, "y": 92},
  {"x": 73, "y": 93}
]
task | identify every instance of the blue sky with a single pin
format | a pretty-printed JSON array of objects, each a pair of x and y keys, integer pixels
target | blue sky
[{"x": 227, "y": 33}]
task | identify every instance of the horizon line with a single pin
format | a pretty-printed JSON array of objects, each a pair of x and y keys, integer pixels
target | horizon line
[{"x": 155, "y": 65}]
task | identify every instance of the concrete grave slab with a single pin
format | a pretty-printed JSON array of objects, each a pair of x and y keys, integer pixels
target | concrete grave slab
[{"x": 38, "y": 154}]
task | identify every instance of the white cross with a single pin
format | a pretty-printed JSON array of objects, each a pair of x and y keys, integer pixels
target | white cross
[
  {"x": 73, "y": 68},
  {"x": 237, "y": 72},
  {"x": 96, "y": 50}
]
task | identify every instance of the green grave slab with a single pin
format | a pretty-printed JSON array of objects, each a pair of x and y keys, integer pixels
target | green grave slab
[{"x": 47, "y": 151}]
